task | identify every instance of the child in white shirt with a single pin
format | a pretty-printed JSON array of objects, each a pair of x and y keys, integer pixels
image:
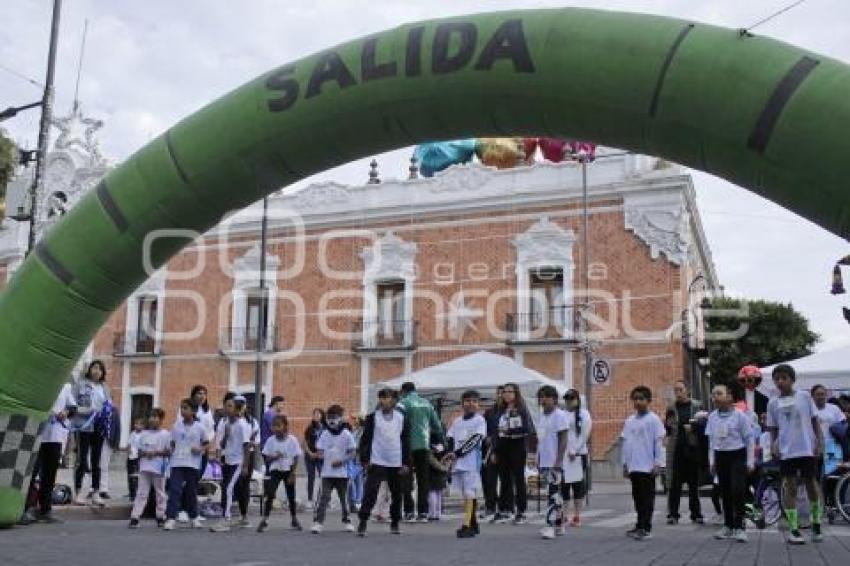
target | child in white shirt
[
  {"x": 282, "y": 452},
  {"x": 188, "y": 442},
  {"x": 551, "y": 449},
  {"x": 643, "y": 457},
  {"x": 335, "y": 447},
  {"x": 133, "y": 458},
  {"x": 154, "y": 450},
  {"x": 465, "y": 437}
]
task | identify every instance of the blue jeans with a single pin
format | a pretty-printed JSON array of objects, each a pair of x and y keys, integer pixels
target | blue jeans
[
  {"x": 183, "y": 488},
  {"x": 356, "y": 482}
]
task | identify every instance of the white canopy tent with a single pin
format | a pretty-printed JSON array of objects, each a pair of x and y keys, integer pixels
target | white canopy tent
[
  {"x": 482, "y": 371},
  {"x": 830, "y": 369}
]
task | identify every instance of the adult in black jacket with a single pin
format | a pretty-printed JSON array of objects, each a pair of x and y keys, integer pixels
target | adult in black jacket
[
  {"x": 312, "y": 462},
  {"x": 385, "y": 454},
  {"x": 489, "y": 469},
  {"x": 515, "y": 433}
]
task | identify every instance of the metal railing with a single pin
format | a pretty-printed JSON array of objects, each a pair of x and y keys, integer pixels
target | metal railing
[
  {"x": 130, "y": 343},
  {"x": 553, "y": 324},
  {"x": 384, "y": 334},
  {"x": 247, "y": 339}
]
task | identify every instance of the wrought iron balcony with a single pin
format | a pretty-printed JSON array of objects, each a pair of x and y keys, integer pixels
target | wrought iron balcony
[
  {"x": 387, "y": 335},
  {"x": 135, "y": 344},
  {"x": 242, "y": 339},
  {"x": 558, "y": 324}
]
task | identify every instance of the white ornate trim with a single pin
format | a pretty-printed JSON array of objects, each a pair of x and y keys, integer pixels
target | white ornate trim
[
  {"x": 661, "y": 220},
  {"x": 545, "y": 243},
  {"x": 314, "y": 197},
  {"x": 390, "y": 258},
  {"x": 467, "y": 177},
  {"x": 246, "y": 269}
]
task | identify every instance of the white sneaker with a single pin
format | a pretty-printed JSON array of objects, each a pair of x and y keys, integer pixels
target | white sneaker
[
  {"x": 560, "y": 531},
  {"x": 196, "y": 523},
  {"x": 222, "y": 527},
  {"x": 740, "y": 535},
  {"x": 169, "y": 525},
  {"x": 97, "y": 500},
  {"x": 182, "y": 517},
  {"x": 317, "y": 528},
  {"x": 547, "y": 533},
  {"x": 349, "y": 527},
  {"x": 81, "y": 499}
]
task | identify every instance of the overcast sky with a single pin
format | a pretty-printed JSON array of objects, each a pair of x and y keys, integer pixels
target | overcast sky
[{"x": 150, "y": 63}]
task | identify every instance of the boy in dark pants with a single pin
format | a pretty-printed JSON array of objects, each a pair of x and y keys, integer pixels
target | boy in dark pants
[
  {"x": 643, "y": 457},
  {"x": 282, "y": 452},
  {"x": 133, "y": 458},
  {"x": 385, "y": 454},
  {"x": 188, "y": 441},
  {"x": 335, "y": 447},
  {"x": 731, "y": 456}
]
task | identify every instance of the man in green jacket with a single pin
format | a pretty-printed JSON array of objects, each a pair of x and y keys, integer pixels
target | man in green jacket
[{"x": 424, "y": 424}]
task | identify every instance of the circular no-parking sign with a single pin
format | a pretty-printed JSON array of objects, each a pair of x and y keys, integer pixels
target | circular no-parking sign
[{"x": 601, "y": 372}]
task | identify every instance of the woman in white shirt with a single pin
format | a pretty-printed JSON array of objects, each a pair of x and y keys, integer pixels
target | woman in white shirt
[
  {"x": 575, "y": 460},
  {"x": 91, "y": 394}
]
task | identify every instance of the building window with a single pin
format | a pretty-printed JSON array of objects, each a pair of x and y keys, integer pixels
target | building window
[
  {"x": 146, "y": 324},
  {"x": 547, "y": 311},
  {"x": 390, "y": 323},
  {"x": 256, "y": 310},
  {"x": 140, "y": 406}
]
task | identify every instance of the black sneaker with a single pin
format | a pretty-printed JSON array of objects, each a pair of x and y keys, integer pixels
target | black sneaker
[
  {"x": 500, "y": 518},
  {"x": 263, "y": 526},
  {"x": 817, "y": 534},
  {"x": 476, "y": 529},
  {"x": 632, "y": 533},
  {"x": 361, "y": 529},
  {"x": 48, "y": 518},
  {"x": 296, "y": 526},
  {"x": 422, "y": 518},
  {"x": 698, "y": 520},
  {"x": 796, "y": 537},
  {"x": 672, "y": 520},
  {"x": 134, "y": 524},
  {"x": 160, "y": 523},
  {"x": 104, "y": 495},
  {"x": 465, "y": 532},
  {"x": 520, "y": 519},
  {"x": 394, "y": 528},
  {"x": 409, "y": 518},
  {"x": 643, "y": 535}
]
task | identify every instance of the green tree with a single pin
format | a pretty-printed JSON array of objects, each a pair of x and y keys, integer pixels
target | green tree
[
  {"x": 770, "y": 333},
  {"x": 8, "y": 159}
]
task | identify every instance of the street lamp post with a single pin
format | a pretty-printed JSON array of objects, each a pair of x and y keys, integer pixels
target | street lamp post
[{"x": 44, "y": 127}]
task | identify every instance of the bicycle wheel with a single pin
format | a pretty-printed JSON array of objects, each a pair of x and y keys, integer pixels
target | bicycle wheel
[
  {"x": 842, "y": 497},
  {"x": 770, "y": 502}
]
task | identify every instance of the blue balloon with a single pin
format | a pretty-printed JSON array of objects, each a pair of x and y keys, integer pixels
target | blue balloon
[{"x": 436, "y": 156}]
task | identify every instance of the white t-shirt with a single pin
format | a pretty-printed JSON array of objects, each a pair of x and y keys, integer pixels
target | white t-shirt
[
  {"x": 288, "y": 448},
  {"x": 233, "y": 437},
  {"x": 185, "y": 437},
  {"x": 133, "y": 445},
  {"x": 56, "y": 430},
  {"x": 643, "y": 443},
  {"x": 729, "y": 431},
  {"x": 153, "y": 441},
  {"x": 386, "y": 439},
  {"x": 577, "y": 443},
  {"x": 828, "y": 416},
  {"x": 792, "y": 415},
  {"x": 205, "y": 418},
  {"x": 463, "y": 429},
  {"x": 336, "y": 448},
  {"x": 550, "y": 427}
]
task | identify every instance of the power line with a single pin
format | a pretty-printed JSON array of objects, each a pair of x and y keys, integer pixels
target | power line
[
  {"x": 21, "y": 76},
  {"x": 770, "y": 17}
]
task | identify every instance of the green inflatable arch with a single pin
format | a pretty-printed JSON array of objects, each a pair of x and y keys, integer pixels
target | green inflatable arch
[{"x": 765, "y": 115}]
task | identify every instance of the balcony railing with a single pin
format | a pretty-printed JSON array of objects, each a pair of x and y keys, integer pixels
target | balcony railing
[
  {"x": 243, "y": 339},
  {"x": 377, "y": 334},
  {"x": 132, "y": 343},
  {"x": 554, "y": 324}
]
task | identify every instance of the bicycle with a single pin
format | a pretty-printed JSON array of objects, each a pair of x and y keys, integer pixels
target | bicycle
[
  {"x": 767, "y": 506},
  {"x": 839, "y": 503}
]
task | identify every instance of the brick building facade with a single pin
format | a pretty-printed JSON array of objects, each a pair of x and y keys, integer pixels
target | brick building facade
[{"x": 368, "y": 283}]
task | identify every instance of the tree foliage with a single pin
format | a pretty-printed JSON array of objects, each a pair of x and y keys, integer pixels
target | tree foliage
[
  {"x": 8, "y": 159},
  {"x": 770, "y": 333}
]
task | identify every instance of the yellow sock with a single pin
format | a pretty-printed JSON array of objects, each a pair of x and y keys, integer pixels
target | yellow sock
[{"x": 468, "y": 512}]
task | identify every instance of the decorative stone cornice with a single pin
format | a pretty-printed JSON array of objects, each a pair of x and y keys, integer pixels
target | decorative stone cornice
[
  {"x": 661, "y": 220},
  {"x": 390, "y": 257},
  {"x": 544, "y": 243}
]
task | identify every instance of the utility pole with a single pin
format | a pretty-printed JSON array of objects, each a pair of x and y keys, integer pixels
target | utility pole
[
  {"x": 44, "y": 126},
  {"x": 585, "y": 270},
  {"x": 261, "y": 320}
]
